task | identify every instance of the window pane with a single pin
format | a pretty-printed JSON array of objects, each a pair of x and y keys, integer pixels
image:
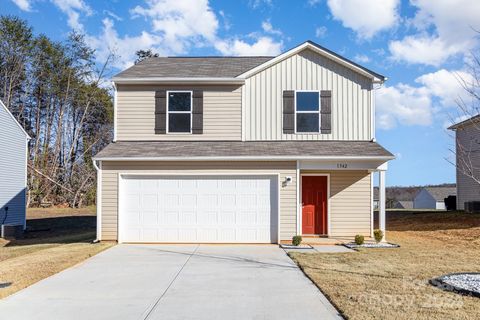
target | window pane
[
  {"x": 307, "y": 101},
  {"x": 307, "y": 122},
  {"x": 179, "y": 122},
  {"x": 179, "y": 101}
]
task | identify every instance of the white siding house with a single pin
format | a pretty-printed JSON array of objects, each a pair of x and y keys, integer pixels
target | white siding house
[
  {"x": 433, "y": 197},
  {"x": 13, "y": 169}
]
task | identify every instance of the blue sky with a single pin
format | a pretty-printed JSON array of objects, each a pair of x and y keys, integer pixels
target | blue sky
[{"x": 422, "y": 46}]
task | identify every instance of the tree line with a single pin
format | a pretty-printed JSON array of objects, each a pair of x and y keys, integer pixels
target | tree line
[{"x": 60, "y": 95}]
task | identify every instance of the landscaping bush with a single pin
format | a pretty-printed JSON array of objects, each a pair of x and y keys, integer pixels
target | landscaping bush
[
  {"x": 359, "y": 239},
  {"x": 378, "y": 235},
  {"x": 296, "y": 240}
]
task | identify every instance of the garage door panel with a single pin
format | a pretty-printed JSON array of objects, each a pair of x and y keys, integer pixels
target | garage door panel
[{"x": 192, "y": 209}]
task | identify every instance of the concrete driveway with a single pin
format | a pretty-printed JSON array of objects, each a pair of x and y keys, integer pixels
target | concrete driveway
[{"x": 175, "y": 282}]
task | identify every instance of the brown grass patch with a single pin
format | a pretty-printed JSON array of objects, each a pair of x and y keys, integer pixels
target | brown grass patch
[
  {"x": 55, "y": 241},
  {"x": 393, "y": 283}
]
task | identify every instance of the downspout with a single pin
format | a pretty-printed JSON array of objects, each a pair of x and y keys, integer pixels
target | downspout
[{"x": 99, "y": 200}]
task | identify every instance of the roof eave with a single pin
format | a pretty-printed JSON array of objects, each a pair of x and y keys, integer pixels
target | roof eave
[
  {"x": 177, "y": 80},
  {"x": 247, "y": 158}
]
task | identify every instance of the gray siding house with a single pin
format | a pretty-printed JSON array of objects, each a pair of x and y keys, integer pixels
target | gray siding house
[
  {"x": 433, "y": 197},
  {"x": 13, "y": 169},
  {"x": 467, "y": 151},
  {"x": 242, "y": 150}
]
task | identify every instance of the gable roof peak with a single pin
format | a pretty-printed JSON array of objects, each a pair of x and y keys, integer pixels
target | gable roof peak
[{"x": 309, "y": 44}]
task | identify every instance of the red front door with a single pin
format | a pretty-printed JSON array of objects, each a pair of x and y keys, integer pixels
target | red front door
[{"x": 314, "y": 205}]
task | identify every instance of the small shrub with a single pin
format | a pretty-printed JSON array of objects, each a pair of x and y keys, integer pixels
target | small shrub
[
  {"x": 359, "y": 239},
  {"x": 296, "y": 240},
  {"x": 378, "y": 235}
]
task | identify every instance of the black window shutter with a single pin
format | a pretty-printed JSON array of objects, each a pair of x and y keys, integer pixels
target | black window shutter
[
  {"x": 326, "y": 111},
  {"x": 288, "y": 111},
  {"x": 197, "y": 112},
  {"x": 161, "y": 112}
]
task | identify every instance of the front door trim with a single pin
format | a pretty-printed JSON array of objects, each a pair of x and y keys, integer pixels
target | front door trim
[{"x": 301, "y": 200}]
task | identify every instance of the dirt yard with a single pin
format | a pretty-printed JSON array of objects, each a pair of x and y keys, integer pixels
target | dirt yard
[
  {"x": 56, "y": 238},
  {"x": 393, "y": 283}
]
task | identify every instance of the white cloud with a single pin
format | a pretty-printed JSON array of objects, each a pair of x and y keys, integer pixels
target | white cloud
[
  {"x": 444, "y": 28},
  {"x": 436, "y": 94},
  {"x": 263, "y": 46},
  {"x": 257, "y": 3},
  {"x": 73, "y": 9},
  {"x": 177, "y": 26},
  {"x": 226, "y": 20},
  {"x": 403, "y": 104},
  {"x": 268, "y": 28},
  {"x": 361, "y": 58},
  {"x": 181, "y": 23},
  {"x": 123, "y": 47},
  {"x": 446, "y": 85},
  {"x": 321, "y": 32},
  {"x": 366, "y": 18},
  {"x": 112, "y": 15},
  {"x": 25, "y": 5},
  {"x": 424, "y": 49}
]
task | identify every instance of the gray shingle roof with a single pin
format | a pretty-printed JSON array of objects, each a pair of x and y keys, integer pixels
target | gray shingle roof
[
  {"x": 194, "y": 67},
  {"x": 232, "y": 149},
  {"x": 440, "y": 193}
]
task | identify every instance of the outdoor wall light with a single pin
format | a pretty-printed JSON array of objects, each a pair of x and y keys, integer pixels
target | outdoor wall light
[{"x": 287, "y": 181}]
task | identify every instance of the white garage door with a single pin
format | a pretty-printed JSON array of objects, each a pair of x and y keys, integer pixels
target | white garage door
[{"x": 224, "y": 209}]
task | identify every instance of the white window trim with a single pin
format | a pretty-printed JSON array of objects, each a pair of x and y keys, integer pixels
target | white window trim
[
  {"x": 319, "y": 113},
  {"x": 179, "y": 112}
]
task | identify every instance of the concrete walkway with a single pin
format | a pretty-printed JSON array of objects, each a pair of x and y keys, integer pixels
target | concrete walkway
[{"x": 175, "y": 282}]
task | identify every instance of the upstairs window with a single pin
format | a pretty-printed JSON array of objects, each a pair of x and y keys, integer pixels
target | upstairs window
[
  {"x": 179, "y": 109},
  {"x": 307, "y": 111}
]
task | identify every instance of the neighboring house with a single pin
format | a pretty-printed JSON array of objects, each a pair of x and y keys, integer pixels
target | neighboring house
[
  {"x": 241, "y": 149},
  {"x": 467, "y": 150},
  {"x": 391, "y": 202},
  {"x": 13, "y": 168},
  {"x": 433, "y": 197},
  {"x": 402, "y": 204}
]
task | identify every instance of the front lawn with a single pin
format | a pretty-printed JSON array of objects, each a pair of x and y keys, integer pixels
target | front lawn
[
  {"x": 58, "y": 238},
  {"x": 392, "y": 283}
]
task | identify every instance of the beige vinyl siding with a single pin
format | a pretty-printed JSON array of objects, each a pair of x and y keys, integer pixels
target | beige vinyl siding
[
  {"x": 112, "y": 169},
  {"x": 135, "y": 113},
  {"x": 351, "y": 98},
  {"x": 467, "y": 139},
  {"x": 350, "y": 202}
]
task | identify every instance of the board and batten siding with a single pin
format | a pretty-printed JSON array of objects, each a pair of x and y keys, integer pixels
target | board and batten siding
[
  {"x": 467, "y": 138},
  {"x": 307, "y": 70},
  {"x": 111, "y": 170},
  {"x": 135, "y": 113},
  {"x": 350, "y": 202},
  {"x": 13, "y": 157}
]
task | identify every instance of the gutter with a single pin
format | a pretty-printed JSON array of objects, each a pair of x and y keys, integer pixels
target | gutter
[
  {"x": 247, "y": 158},
  {"x": 178, "y": 80}
]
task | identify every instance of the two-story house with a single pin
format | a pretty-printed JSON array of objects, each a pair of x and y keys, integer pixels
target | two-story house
[
  {"x": 242, "y": 150},
  {"x": 467, "y": 152}
]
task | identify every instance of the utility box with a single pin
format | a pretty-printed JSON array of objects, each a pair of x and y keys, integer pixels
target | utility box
[{"x": 12, "y": 231}]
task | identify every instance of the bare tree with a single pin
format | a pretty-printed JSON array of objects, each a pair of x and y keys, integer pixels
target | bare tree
[{"x": 56, "y": 91}]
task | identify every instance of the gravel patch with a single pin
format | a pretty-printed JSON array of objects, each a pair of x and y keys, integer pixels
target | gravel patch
[
  {"x": 353, "y": 245},
  {"x": 463, "y": 283}
]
